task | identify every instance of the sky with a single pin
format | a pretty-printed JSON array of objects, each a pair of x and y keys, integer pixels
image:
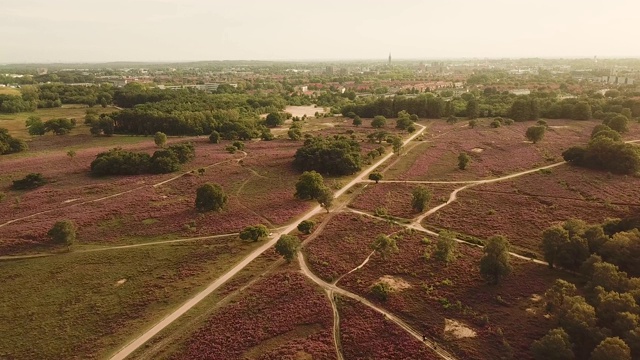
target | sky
[{"x": 45, "y": 31}]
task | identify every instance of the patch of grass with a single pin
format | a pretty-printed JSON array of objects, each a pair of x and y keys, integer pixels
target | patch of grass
[
  {"x": 76, "y": 305},
  {"x": 150, "y": 221},
  {"x": 9, "y": 91}
]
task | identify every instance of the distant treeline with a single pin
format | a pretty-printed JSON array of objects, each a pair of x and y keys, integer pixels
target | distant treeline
[{"x": 519, "y": 108}]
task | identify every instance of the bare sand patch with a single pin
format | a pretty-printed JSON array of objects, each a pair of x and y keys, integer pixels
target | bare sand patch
[
  {"x": 300, "y": 111},
  {"x": 477, "y": 150},
  {"x": 395, "y": 283},
  {"x": 536, "y": 298},
  {"x": 457, "y": 329},
  {"x": 120, "y": 282},
  {"x": 70, "y": 200}
]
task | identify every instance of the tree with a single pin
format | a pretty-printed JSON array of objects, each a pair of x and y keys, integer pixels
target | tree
[
  {"x": 384, "y": 245},
  {"x": 473, "y": 123},
  {"x": 553, "y": 240},
  {"x": 63, "y": 233},
  {"x": 60, "y": 126},
  {"x": 160, "y": 139},
  {"x": 294, "y": 133},
  {"x": 35, "y": 126},
  {"x": 445, "y": 247},
  {"x": 582, "y": 111},
  {"x": 463, "y": 160},
  {"x": 421, "y": 198},
  {"x": 397, "y": 145},
  {"x": 210, "y": 197},
  {"x": 379, "y": 122},
  {"x": 375, "y": 176},
  {"x": 556, "y": 294},
  {"x": 357, "y": 121},
  {"x": 336, "y": 156},
  {"x": 287, "y": 246},
  {"x": 214, "y": 137},
  {"x": 553, "y": 346},
  {"x": 306, "y": 226},
  {"x": 473, "y": 109},
  {"x": 494, "y": 264},
  {"x": 611, "y": 348},
  {"x": 619, "y": 123},
  {"x": 274, "y": 119},
  {"x": 254, "y": 233},
  {"x": 325, "y": 198},
  {"x": 30, "y": 181},
  {"x": 535, "y": 133},
  {"x": 381, "y": 291},
  {"x": 309, "y": 186}
]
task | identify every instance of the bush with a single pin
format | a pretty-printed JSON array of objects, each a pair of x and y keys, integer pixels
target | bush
[
  {"x": 375, "y": 176},
  {"x": 379, "y": 122},
  {"x": 63, "y": 232},
  {"x": 335, "y": 156},
  {"x": 495, "y": 124},
  {"x": 160, "y": 139},
  {"x": 306, "y": 226},
  {"x": 120, "y": 162},
  {"x": 31, "y": 181},
  {"x": 452, "y": 120},
  {"x": 254, "y": 233},
  {"x": 535, "y": 133},
  {"x": 274, "y": 119},
  {"x": 421, "y": 198},
  {"x": 214, "y": 137},
  {"x": 380, "y": 291},
  {"x": 238, "y": 145},
  {"x": 287, "y": 246},
  {"x": 210, "y": 197},
  {"x": 231, "y": 149},
  {"x": 60, "y": 126},
  {"x": 9, "y": 144},
  {"x": 463, "y": 160}
]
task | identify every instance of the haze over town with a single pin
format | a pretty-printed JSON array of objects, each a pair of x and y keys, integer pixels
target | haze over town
[{"x": 187, "y": 30}]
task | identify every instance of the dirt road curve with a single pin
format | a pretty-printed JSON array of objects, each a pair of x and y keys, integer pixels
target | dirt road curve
[
  {"x": 333, "y": 288},
  {"x": 139, "y": 341}
]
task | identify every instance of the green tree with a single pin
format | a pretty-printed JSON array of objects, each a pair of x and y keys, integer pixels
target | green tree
[
  {"x": 381, "y": 291},
  {"x": 535, "y": 133},
  {"x": 274, "y": 119},
  {"x": 309, "y": 186},
  {"x": 35, "y": 126},
  {"x": 445, "y": 247},
  {"x": 214, "y": 137},
  {"x": 254, "y": 233},
  {"x": 397, "y": 145},
  {"x": 473, "y": 109},
  {"x": 60, "y": 126},
  {"x": 287, "y": 246},
  {"x": 384, "y": 245},
  {"x": 160, "y": 139},
  {"x": 473, "y": 123},
  {"x": 63, "y": 233},
  {"x": 294, "y": 133},
  {"x": 375, "y": 176},
  {"x": 582, "y": 111},
  {"x": 494, "y": 264},
  {"x": 556, "y": 294},
  {"x": 553, "y": 346},
  {"x": 30, "y": 181},
  {"x": 379, "y": 122},
  {"x": 357, "y": 121},
  {"x": 325, "y": 198},
  {"x": 553, "y": 240},
  {"x": 210, "y": 197},
  {"x": 619, "y": 123},
  {"x": 463, "y": 160},
  {"x": 611, "y": 348},
  {"x": 421, "y": 198},
  {"x": 306, "y": 226}
]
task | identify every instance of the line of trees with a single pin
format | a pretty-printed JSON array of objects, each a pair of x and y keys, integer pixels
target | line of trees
[{"x": 336, "y": 155}]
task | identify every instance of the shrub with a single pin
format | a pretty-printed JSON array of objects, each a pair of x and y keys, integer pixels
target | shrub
[
  {"x": 380, "y": 291},
  {"x": 120, "y": 162},
  {"x": 254, "y": 233},
  {"x": 9, "y": 144},
  {"x": 63, "y": 232},
  {"x": 495, "y": 124},
  {"x": 463, "y": 160},
  {"x": 375, "y": 176},
  {"x": 535, "y": 133},
  {"x": 379, "y": 122},
  {"x": 214, "y": 137},
  {"x": 210, "y": 197},
  {"x": 238, "y": 145},
  {"x": 336, "y": 156},
  {"x": 160, "y": 139},
  {"x": 306, "y": 226},
  {"x": 287, "y": 246},
  {"x": 421, "y": 198},
  {"x": 31, "y": 181}
]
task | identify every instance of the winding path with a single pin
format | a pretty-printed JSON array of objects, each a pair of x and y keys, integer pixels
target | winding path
[{"x": 159, "y": 326}]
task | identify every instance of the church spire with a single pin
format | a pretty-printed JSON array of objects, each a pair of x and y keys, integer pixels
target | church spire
[{"x": 389, "y": 58}]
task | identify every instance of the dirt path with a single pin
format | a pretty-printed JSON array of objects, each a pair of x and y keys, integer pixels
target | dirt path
[
  {"x": 336, "y": 324},
  {"x": 335, "y": 289},
  {"x": 159, "y": 326},
  {"x": 117, "y": 194}
]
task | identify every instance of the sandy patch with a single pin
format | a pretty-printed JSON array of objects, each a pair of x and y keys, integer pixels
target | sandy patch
[
  {"x": 395, "y": 283},
  {"x": 328, "y": 124},
  {"x": 120, "y": 282},
  {"x": 458, "y": 329},
  {"x": 70, "y": 200},
  {"x": 300, "y": 111},
  {"x": 536, "y": 298},
  {"x": 531, "y": 311},
  {"x": 559, "y": 127},
  {"x": 477, "y": 150}
]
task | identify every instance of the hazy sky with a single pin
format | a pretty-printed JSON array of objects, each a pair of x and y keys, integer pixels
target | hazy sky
[{"x": 172, "y": 30}]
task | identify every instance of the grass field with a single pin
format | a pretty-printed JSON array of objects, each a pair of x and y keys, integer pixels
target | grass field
[
  {"x": 82, "y": 305},
  {"x": 9, "y": 91},
  {"x": 15, "y": 123}
]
